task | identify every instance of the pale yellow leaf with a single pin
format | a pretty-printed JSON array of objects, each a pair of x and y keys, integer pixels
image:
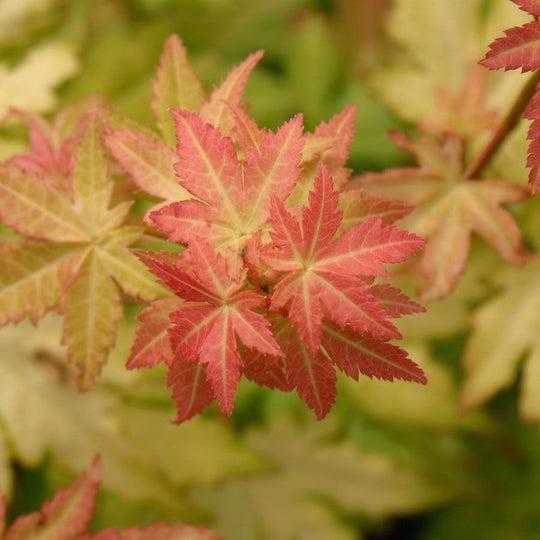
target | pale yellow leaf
[
  {"x": 13, "y": 14},
  {"x": 454, "y": 36},
  {"x": 504, "y": 329},
  {"x": 198, "y": 452},
  {"x": 113, "y": 218},
  {"x": 150, "y": 162},
  {"x": 43, "y": 414},
  {"x": 29, "y": 85}
]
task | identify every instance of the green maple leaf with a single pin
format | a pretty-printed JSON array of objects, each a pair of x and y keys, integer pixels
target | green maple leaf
[
  {"x": 74, "y": 257},
  {"x": 288, "y": 502},
  {"x": 492, "y": 364}
]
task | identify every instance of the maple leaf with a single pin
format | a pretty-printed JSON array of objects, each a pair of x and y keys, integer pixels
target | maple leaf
[
  {"x": 464, "y": 113},
  {"x": 50, "y": 157},
  {"x": 206, "y": 332},
  {"x": 264, "y": 157},
  {"x": 75, "y": 255},
  {"x": 520, "y": 48},
  {"x": 312, "y": 465},
  {"x": 450, "y": 207},
  {"x": 233, "y": 196},
  {"x": 30, "y": 84},
  {"x": 491, "y": 365},
  {"x": 322, "y": 274},
  {"x": 149, "y": 157},
  {"x": 67, "y": 515},
  {"x": 328, "y": 144},
  {"x": 176, "y": 85},
  {"x": 320, "y": 270},
  {"x": 530, "y": 6}
]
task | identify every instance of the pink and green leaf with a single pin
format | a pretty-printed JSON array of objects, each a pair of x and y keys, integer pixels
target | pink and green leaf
[
  {"x": 32, "y": 278},
  {"x": 35, "y": 209},
  {"x": 355, "y": 354},
  {"x": 176, "y": 86},
  {"x": 233, "y": 196},
  {"x": 312, "y": 375},
  {"x": 321, "y": 272},
  {"x": 216, "y": 111},
  {"x": 191, "y": 389},
  {"x": 64, "y": 517},
  {"x": 151, "y": 344},
  {"x": 150, "y": 162},
  {"x": 68, "y": 514}
]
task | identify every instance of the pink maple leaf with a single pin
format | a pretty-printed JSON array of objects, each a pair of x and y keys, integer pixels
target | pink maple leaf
[
  {"x": 322, "y": 274},
  {"x": 217, "y": 312}
]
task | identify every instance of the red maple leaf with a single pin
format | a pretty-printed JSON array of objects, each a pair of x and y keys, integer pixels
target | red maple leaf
[
  {"x": 313, "y": 374},
  {"x": 520, "y": 48},
  {"x": 530, "y": 6},
  {"x": 206, "y": 327},
  {"x": 232, "y": 195},
  {"x": 322, "y": 274}
]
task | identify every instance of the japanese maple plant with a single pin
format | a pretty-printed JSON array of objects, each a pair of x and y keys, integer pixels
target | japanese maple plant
[
  {"x": 273, "y": 262},
  {"x": 278, "y": 280}
]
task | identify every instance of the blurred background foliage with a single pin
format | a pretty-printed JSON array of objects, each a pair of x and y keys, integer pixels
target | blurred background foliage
[{"x": 392, "y": 461}]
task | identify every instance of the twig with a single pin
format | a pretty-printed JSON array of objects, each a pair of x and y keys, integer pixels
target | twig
[{"x": 505, "y": 127}]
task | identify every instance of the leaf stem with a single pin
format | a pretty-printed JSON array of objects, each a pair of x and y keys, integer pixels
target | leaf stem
[{"x": 505, "y": 127}]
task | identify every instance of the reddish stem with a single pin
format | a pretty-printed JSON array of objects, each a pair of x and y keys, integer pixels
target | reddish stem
[{"x": 505, "y": 127}]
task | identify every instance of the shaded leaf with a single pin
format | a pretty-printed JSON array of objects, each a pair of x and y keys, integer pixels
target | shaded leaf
[
  {"x": 492, "y": 364},
  {"x": 67, "y": 515},
  {"x": 311, "y": 467}
]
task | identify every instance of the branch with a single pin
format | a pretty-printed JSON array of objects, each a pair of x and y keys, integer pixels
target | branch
[{"x": 505, "y": 127}]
